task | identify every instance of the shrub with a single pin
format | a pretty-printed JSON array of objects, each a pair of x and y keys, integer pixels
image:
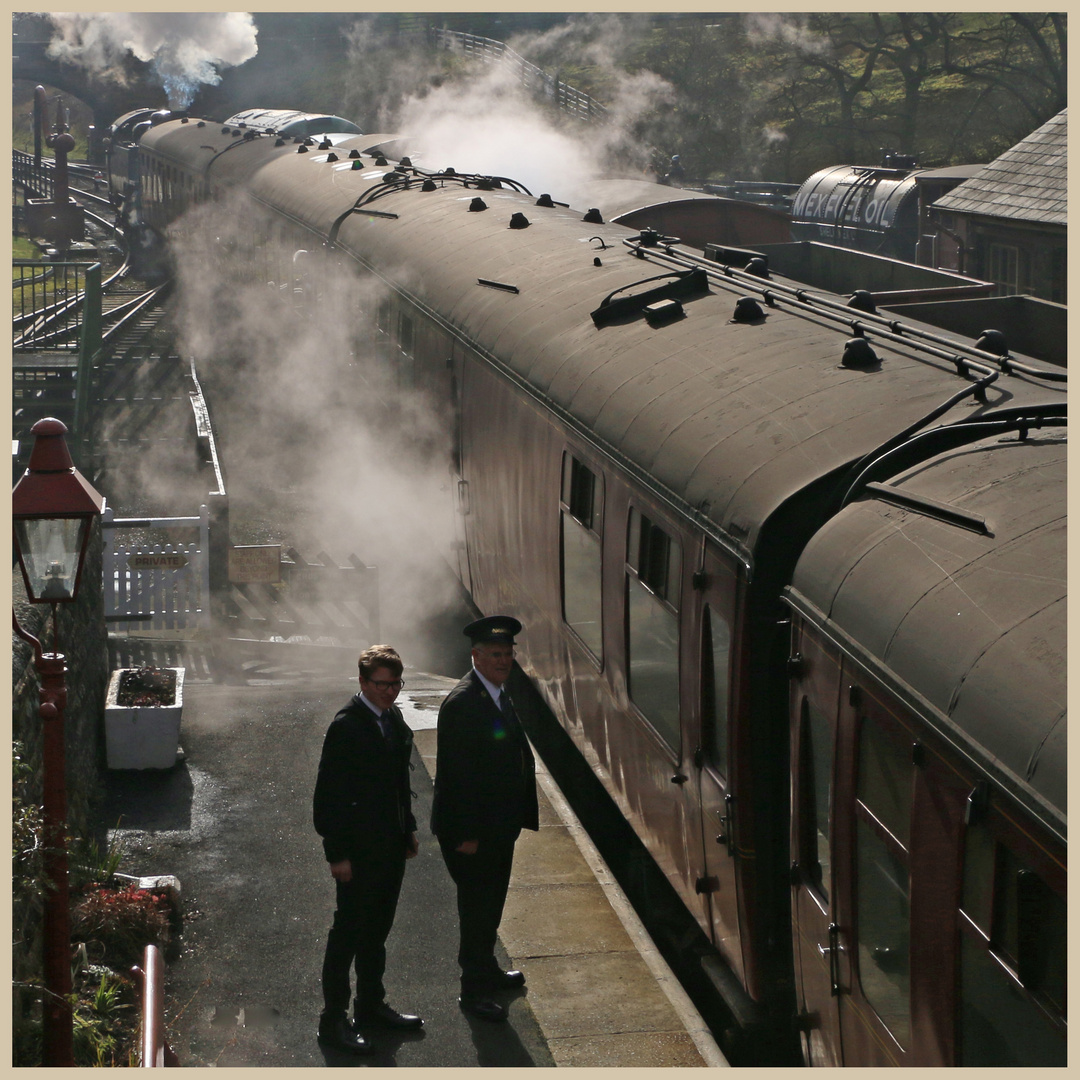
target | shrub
[{"x": 123, "y": 921}]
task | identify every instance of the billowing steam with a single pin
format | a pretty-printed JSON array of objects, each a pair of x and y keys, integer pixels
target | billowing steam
[
  {"x": 487, "y": 118},
  {"x": 184, "y": 49}
]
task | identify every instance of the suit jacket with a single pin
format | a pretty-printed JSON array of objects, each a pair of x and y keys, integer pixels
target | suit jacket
[
  {"x": 485, "y": 773},
  {"x": 363, "y": 801}
]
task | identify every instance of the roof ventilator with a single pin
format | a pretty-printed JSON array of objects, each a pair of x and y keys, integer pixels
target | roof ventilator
[
  {"x": 993, "y": 341},
  {"x": 545, "y": 200},
  {"x": 357, "y": 165},
  {"x": 331, "y": 157},
  {"x": 477, "y": 205},
  {"x": 405, "y": 163},
  {"x": 325, "y": 144},
  {"x": 757, "y": 266},
  {"x": 201, "y": 123},
  {"x": 861, "y": 300},
  {"x": 301, "y": 149},
  {"x": 747, "y": 310},
  {"x": 354, "y": 154},
  {"x": 519, "y": 221},
  {"x": 428, "y": 185},
  {"x": 677, "y": 286},
  {"x": 859, "y": 353},
  {"x": 225, "y": 131},
  {"x": 380, "y": 160},
  {"x": 594, "y": 217}
]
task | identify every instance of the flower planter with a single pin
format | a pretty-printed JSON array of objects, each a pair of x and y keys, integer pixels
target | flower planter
[{"x": 142, "y": 736}]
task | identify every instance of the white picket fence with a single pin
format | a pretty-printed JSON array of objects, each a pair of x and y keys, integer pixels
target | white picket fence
[{"x": 159, "y": 587}]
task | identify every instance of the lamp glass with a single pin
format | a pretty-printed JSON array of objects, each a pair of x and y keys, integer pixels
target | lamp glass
[{"x": 50, "y": 550}]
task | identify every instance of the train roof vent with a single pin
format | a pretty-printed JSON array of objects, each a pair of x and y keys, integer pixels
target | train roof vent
[
  {"x": 325, "y": 144},
  {"x": 225, "y": 131},
  {"x": 594, "y": 217},
  {"x": 859, "y": 353},
  {"x": 545, "y": 200},
  {"x": 993, "y": 341},
  {"x": 380, "y": 160},
  {"x": 519, "y": 221},
  {"x": 663, "y": 311},
  {"x": 405, "y": 162},
  {"x": 201, "y": 123},
  {"x": 429, "y": 185},
  {"x": 747, "y": 310},
  {"x": 449, "y": 171},
  {"x": 331, "y": 157},
  {"x": 758, "y": 266},
  {"x": 861, "y": 300},
  {"x": 354, "y": 153},
  {"x": 279, "y": 141},
  {"x": 301, "y": 149},
  {"x": 185, "y": 120},
  {"x": 477, "y": 205},
  {"x": 357, "y": 165}
]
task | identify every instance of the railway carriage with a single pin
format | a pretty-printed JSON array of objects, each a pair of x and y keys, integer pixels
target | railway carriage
[{"x": 665, "y": 468}]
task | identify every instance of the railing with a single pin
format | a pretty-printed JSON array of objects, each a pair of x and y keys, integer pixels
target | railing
[
  {"x": 488, "y": 51},
  {"x": 46, "y": 303},
  {"x": 154, "y": 1051},
  {"x": 39, "y": 181}
]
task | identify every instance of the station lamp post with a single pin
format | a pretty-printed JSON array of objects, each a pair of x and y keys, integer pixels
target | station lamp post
[{"x": 53, "y": 506}]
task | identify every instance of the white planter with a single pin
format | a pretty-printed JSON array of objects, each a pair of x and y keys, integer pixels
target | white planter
[{"x": 145, "y": 736}]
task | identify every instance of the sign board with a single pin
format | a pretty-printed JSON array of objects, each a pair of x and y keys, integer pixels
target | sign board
[
  {"x": 255, "y": 563},
  {"x": 157, "y": 562}
]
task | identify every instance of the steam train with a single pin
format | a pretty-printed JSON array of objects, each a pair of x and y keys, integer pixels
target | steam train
[{"x": 792, "y": 573}]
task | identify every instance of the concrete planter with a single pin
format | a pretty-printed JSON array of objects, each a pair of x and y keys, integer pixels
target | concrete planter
[{"x": 143, "y": 736}]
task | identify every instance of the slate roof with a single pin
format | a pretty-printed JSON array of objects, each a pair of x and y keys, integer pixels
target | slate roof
[{"x": 1027, "y": 183}]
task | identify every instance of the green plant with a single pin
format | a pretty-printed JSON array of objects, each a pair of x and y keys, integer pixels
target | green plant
[
  {"x": 124, "y": 921},
  {"x": 104, "y": 1024},
  {"x": 89, "y": 865}
]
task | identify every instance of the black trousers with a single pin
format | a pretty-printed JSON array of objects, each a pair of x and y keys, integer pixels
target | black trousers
[
  {"x": 362, "y": 922},
  {"x": 482, "y": 880}
]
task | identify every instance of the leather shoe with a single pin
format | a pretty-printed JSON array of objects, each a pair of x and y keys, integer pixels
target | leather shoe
[
  {"x": 483, "y": 1008},
  {"x": 507, "y": 980},
  {"x": 338, "y": 1033},
  {"x": 388, "y": 1016}
]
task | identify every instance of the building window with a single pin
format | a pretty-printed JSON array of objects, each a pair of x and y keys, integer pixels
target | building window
[
  {"x": 653, "y": 573},
  {"x": 1003, "y": 268},
  {"x": 581, "y": 506}
]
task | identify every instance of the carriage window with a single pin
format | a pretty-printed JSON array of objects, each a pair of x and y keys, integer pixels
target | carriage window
[
  {"x": 815, "y": 792},
  {"x": 581, "y": 517},
  {"x": 882, "y": 903},
  {"x": 715, "y": 666},
  {"x": 1013, "y": 954},
  {"x": 653, "y": 573}
]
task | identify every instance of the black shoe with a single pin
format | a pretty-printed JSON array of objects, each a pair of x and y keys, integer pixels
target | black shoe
[
  {"x": 483, "y": 1008},
  {"x": 389, "y": 1017},
  {"x": 338, "y": 1033},
  {"x": 507, "y": 980}
]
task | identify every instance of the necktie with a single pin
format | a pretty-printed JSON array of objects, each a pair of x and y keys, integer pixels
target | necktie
[{"x": 384, "y": 724}]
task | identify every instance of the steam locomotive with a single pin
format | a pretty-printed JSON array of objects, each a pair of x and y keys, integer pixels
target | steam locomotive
[{"x": 792, "y": 572}]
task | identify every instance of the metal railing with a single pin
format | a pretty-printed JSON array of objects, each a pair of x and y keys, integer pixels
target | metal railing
[
  {"x": 488, "y": 51},
  {"x": 154, "y": 1051},
  {"x": 38, "y": 181},
  {"x": 47, "y": 302}
]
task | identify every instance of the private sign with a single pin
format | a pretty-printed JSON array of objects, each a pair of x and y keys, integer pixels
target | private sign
[{"x": 156, "y": 562}]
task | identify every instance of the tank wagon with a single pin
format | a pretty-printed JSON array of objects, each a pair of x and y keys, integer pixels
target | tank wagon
[
  {"x": 870, "y": 208},
  {"x": 792, "y": 573}
]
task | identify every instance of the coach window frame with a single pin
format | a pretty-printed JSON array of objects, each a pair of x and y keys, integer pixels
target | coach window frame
[
  {"x": 589, "y": 523},
  {"x": 994, "y": 933},
  {"x": 660, "y": 586}
]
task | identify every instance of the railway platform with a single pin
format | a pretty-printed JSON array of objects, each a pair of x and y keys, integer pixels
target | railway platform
[{"x": 232, "y": 821}]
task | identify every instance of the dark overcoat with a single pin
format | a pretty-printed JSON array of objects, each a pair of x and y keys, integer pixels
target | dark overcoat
[
  {"x": 485, "y": 773},
  {"x": 363, "y": 800}
]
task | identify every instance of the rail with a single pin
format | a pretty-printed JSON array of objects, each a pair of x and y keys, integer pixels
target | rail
[
  {"x": 47, "y": 298},
  {"x": 154, "y": 1051},
  {"x": 488, "y": 51}
]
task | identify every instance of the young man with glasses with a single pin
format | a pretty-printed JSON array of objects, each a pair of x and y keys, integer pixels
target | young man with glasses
[
  {"x": 363, "y": 812},
  {"x": 485, "y": 794}
]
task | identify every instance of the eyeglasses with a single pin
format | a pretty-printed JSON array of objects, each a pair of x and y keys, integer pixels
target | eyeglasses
[{"x": 383, "y": 684}]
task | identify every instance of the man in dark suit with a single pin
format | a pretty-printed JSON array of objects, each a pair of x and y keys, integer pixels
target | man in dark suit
[
  {"x": 363, "y": 811},
  {"x": 485, "y": 794}
]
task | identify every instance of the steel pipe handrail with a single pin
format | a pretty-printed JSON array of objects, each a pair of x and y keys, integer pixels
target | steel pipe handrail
[{"x": 154, "y": 1050}]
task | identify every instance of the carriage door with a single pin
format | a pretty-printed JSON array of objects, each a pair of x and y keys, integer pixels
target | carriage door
[
  {"x": 814, "y": 701},
  {"x": 713, "y": 754}
]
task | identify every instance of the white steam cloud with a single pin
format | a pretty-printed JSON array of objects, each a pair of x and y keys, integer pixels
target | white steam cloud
[{"x": 185, "y": 49}]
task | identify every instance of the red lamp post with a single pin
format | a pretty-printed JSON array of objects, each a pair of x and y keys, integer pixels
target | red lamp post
[{"x": 52, "y": 508}]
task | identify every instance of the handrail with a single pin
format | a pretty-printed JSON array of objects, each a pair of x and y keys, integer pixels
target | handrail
[{"x": 154, "y": 1051}]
